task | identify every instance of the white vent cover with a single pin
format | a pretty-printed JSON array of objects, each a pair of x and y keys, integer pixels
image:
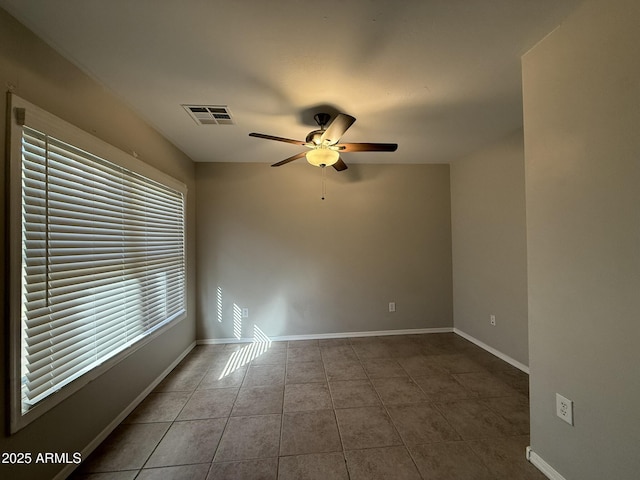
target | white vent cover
[{"x": 210, "y": 114}]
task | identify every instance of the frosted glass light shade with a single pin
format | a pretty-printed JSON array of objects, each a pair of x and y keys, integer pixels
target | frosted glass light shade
[{"x": 322, "y": 156}]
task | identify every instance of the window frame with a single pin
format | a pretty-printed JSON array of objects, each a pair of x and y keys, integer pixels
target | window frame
[{"x": 21, "y": 112}]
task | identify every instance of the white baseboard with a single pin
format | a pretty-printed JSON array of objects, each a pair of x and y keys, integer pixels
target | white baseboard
[
  {"x": 538, "y": 462},
  {"x": 497, "y": 353},
  {"x": 101, "y": 437},
  {"x": 321, "y": 336}
]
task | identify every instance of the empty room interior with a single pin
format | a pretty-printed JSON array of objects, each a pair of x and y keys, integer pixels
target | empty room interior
[{"x": 423, "y": 263}]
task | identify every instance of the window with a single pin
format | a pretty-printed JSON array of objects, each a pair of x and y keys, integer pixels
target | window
[{"x": 98, "y": 246}]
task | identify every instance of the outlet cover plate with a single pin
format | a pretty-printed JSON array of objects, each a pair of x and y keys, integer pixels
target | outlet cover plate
[{"x": 564, "y": 408}]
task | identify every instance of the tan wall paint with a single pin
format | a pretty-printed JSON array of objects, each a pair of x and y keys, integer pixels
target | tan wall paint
[
  {"x": 307, "y": 266},
  {"x": 582, "y": 151},
  {"x": 41, "y": 76},
  {"x": 489, "y": 246}
]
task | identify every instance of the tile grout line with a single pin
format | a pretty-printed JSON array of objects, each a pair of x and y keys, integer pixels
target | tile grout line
[
  {"x": 226, "y": 423},
  {"x": 170, "y": 425},
  {"x": 335, "y": 417},
  {"x": 386, "y": 410}
]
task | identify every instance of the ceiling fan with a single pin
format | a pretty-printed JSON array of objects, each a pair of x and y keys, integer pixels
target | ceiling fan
[{"x": 324, "y": 149}]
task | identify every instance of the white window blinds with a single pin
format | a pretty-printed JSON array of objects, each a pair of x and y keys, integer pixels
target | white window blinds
[{"x": 103, "y": 261}]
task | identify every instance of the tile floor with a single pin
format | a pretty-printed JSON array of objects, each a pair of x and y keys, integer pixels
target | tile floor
[{"x": 432, "y": 407}]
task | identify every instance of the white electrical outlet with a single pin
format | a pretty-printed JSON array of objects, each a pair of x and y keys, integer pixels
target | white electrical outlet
[
  {"x": 392, "y": 306},
  {"x": 564, "y": 408},
  {"x": 245, "y": 313},
  {"x": 492, "y": 320}
]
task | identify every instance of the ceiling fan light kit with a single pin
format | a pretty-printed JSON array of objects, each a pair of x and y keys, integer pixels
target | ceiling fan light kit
[
  {"x": 322, "y": 156},
  {"x": 324, "y": 143}
]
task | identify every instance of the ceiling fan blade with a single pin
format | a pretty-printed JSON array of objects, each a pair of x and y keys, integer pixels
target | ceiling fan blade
[
  {"x": 290, "y": 159},
  {"x": 337, "y": 127},
  {"x": 340, "y": 165},
  {"x": 367, "y": 147},
  {"x": 279, "y": 139}
]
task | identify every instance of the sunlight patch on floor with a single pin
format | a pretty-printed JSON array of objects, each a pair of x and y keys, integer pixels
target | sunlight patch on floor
[{"x": 261, "y": 343}]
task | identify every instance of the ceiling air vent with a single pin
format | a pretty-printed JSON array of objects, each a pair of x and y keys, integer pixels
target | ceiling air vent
[{"x": 210, "y": 114}]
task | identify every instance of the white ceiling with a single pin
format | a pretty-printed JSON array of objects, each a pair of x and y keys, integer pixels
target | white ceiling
[{"x": 439, "y": 77}]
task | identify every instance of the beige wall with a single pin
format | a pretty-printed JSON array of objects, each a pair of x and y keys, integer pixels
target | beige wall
[
  {"x": 582, "y": 151},
  {"x": 489, "y": 246},
  {"x": 305, "y": 266},
  {"x": 41, "y": 76}
]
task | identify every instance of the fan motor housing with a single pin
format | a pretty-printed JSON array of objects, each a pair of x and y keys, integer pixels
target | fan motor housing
[{"x": 315, "y": 137}]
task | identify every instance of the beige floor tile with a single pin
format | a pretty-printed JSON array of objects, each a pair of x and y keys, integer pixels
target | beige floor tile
[
  {"x": 458, "y": 363},
  {"x": 159, "y": 407},
  {"x": 514, "y": 410},
  {"x": 449, "y": 340},
  {"x": 192, "y": 441},
  {"x": 213, "y": 403},
  {"x": 259, "y": 400},
  {"x": 364, "y": 339},
  {"x": 353, "y": 393},
  {"x": 344, "y": 370},
  {"x": 193, "y": 365},
  {"x": 339, "y": 353},
  {"x": 449, "y": 461},
  {"x": 309, "y": 432},
  {"x": 383, "y": 368},
  {"x": 490, "y": 362},
  {"x": 430, "y": 350},
  {"x": 333, "y": 342},
  {"x": 318, "y": 466},
  {"x": 445, "y": 346},
  {"x": 485, "y": 384},
  {"x": 270, "y": 357},
  {"x": 264, "y": 375},
  {"x": 516, "y": 379},
  {"x": 372, "y": 350},
  {"x": 280, "y": 346},
  {"x": 305, "y": 372},
  {"x": 366, "y": 427},
  {"x": 249, "y": 437},
  {"x": 299, "y": 397},
  {"x": 302, "y": 343},
  {"x": 127, "y": 448},
  {"x": 260, "y": 469},
  {"x": 205, "y": 358},
  {"x": 180, "y": 381},
  {"x": 223, "y": 378},
  {"x": 421, "y": 423},
  {"x": 421, "y": 365},
  {"x": 474, "y": 420},
  {"x": 442, "y": 388},
  {"x": 381, "y": 464},
  {"x": 304, "y": 354},
  {"x": 181, "y": 472},
  {"x": 398, "y": 391},
  {"x": 505, "y": 458},
  {"x": 403, "y": 348}
]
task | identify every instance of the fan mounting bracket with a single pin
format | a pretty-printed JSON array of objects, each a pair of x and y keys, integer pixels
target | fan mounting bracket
[{"x": 322, "y": 119}]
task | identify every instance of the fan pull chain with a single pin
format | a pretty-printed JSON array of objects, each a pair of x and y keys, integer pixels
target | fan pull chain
[{"x": 324, "y": 182}]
